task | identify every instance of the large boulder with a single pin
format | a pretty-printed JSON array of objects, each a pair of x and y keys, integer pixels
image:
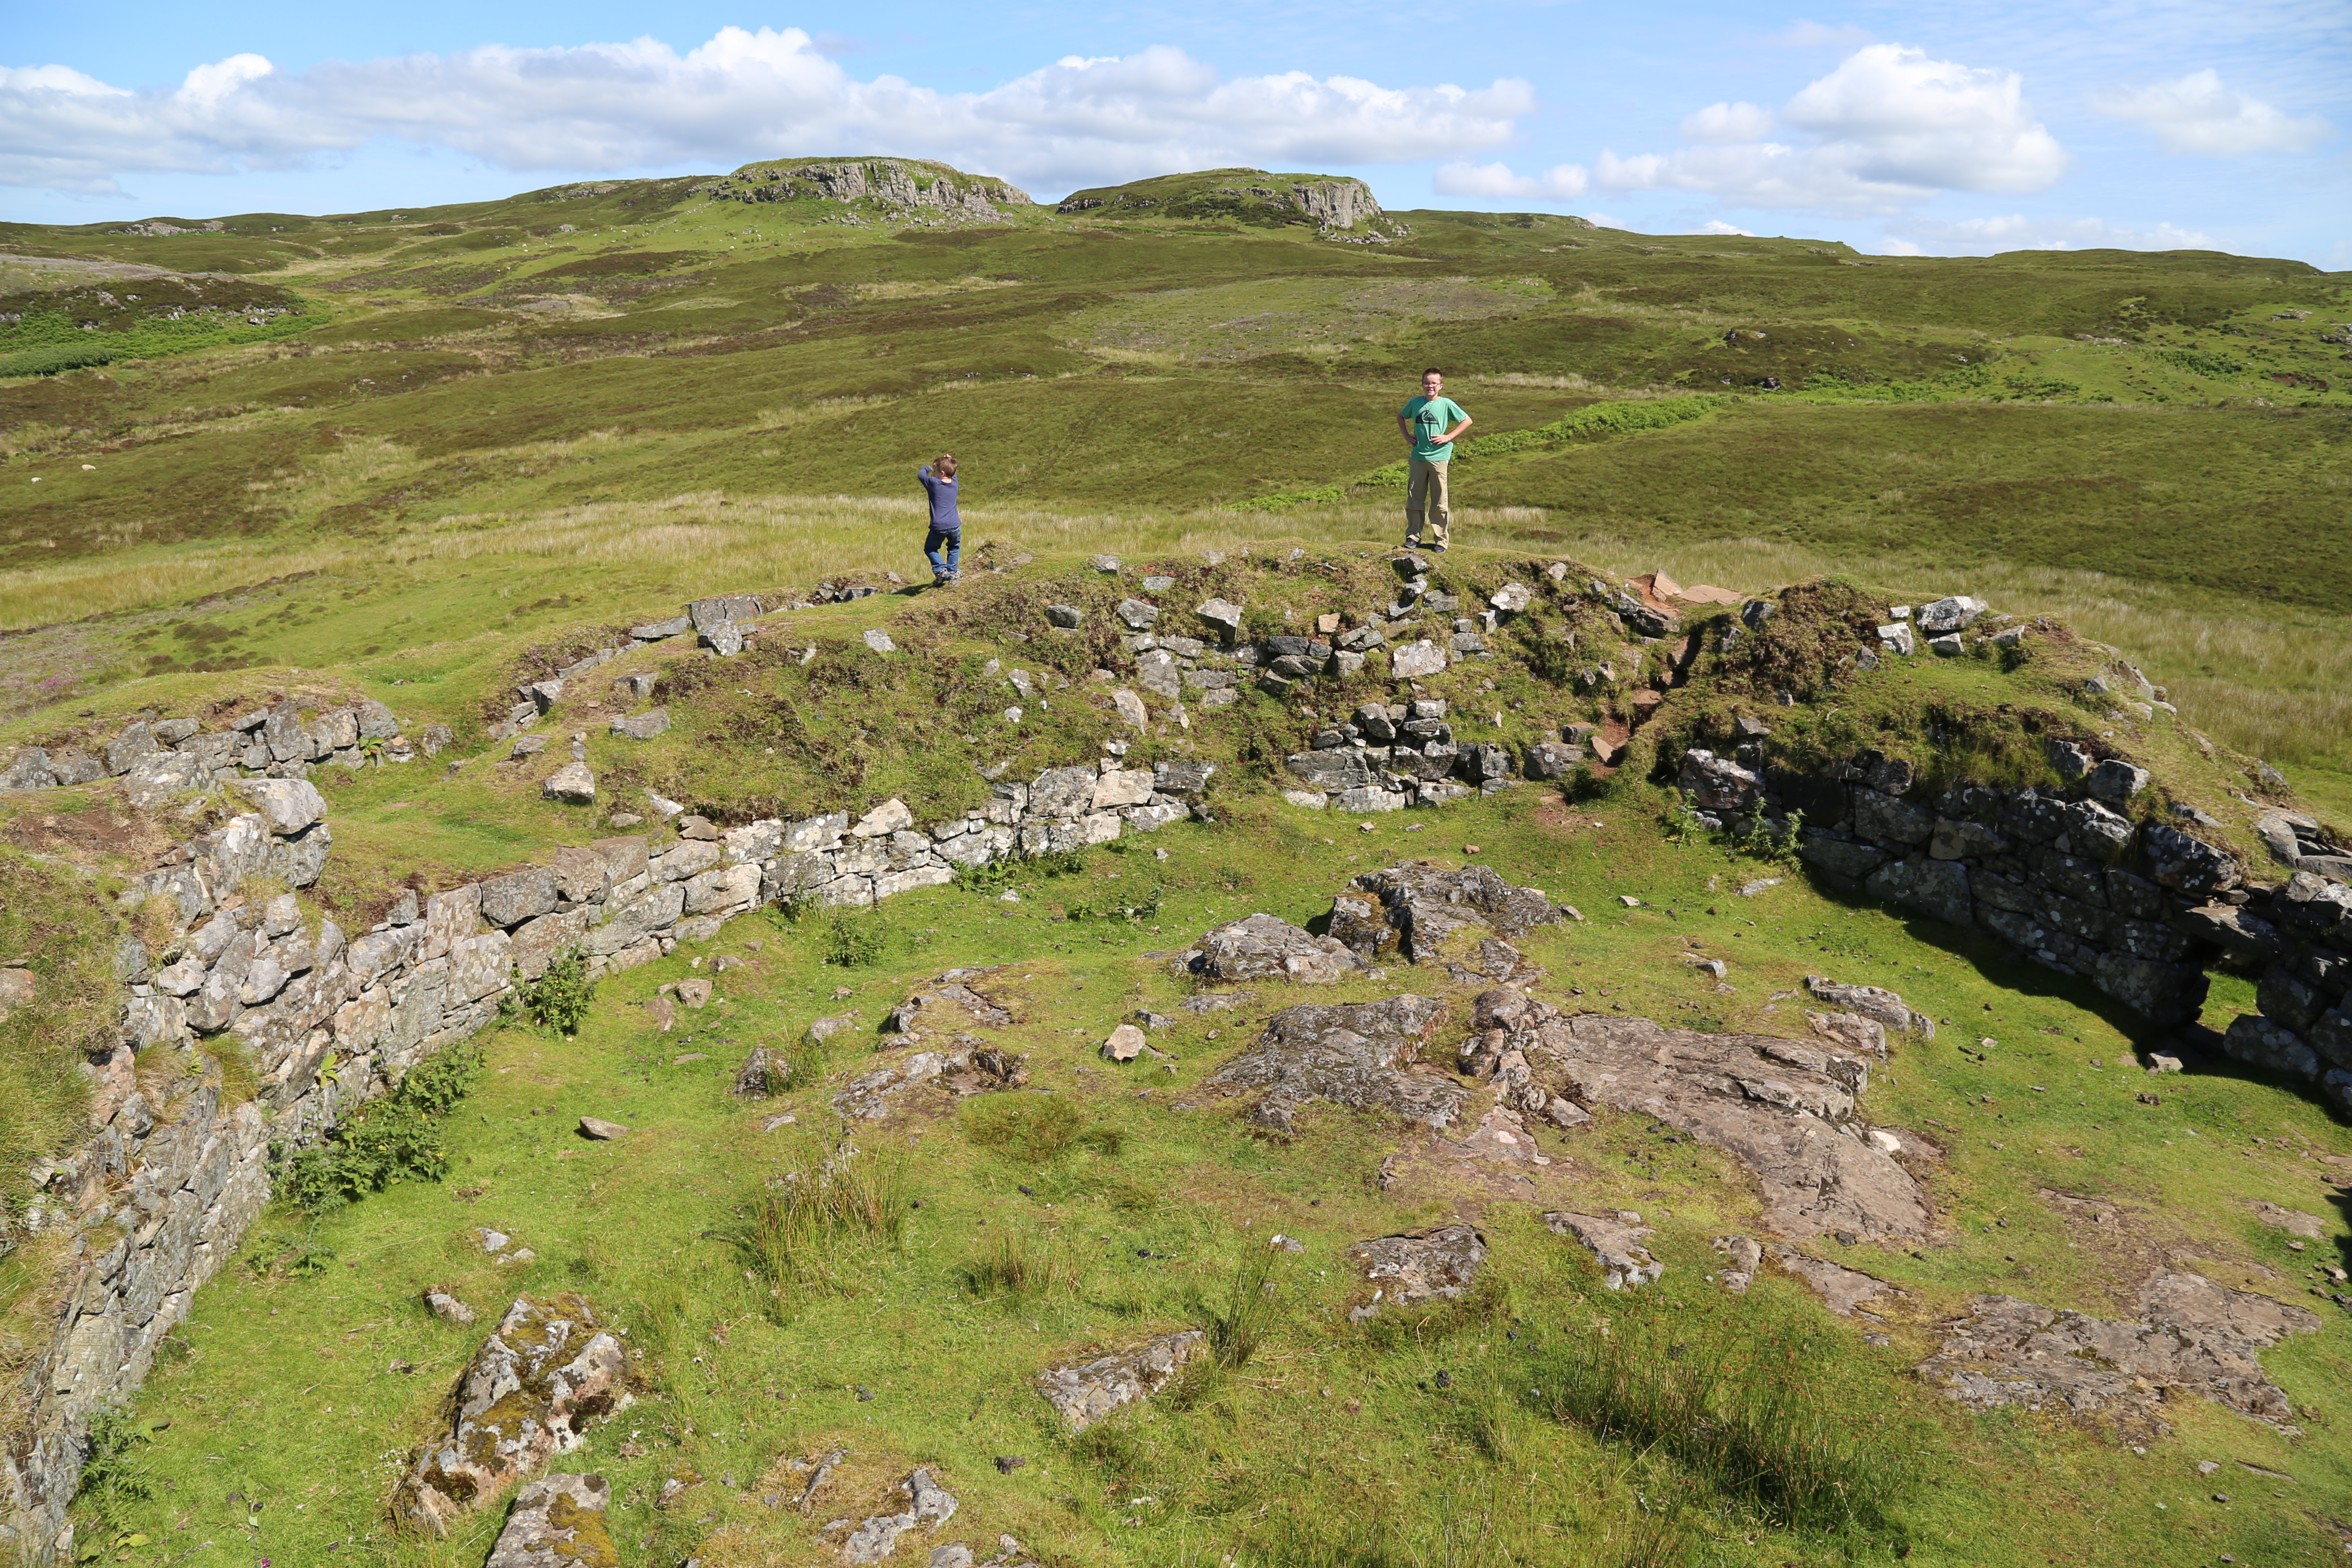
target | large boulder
[
  {"x": 1267, "y": 947},
  {"x": 1717, "y": 784},
  {"x": 288, "y": 806},
  {"x": 531, "y": 1392},
  {"x": 1363, "y": 1056},
  {"x": 1411, "y": 909}
]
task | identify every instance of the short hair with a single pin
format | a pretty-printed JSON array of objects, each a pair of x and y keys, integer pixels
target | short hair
[{"x": 1433, "y": 370}]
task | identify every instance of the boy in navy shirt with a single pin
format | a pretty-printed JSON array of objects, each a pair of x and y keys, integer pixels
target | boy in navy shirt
[{"x": 946, "y": 526}]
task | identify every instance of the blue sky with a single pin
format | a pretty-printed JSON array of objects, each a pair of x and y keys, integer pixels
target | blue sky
[{"x": 1936, "y": 126}]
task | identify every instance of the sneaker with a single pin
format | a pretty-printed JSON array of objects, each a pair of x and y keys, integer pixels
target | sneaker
[{"x": 1437, "y": 549}]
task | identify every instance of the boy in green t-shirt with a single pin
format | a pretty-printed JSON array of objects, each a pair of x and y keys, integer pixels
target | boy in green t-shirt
[{"x": 1429, "y": 424}]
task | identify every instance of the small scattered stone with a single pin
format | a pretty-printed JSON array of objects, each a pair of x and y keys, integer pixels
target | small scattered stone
[
  {"x": 1126, "y": 1044},
  {"x": 602, "y": 1130},
  {"x": 446, "y": 1307}
]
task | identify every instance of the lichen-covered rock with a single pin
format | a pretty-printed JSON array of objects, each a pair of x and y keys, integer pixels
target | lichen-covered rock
[
  {"x": 1872, "y": 1001},
  {"x": 1418, "y": 1266},
  {"x": 1784, "y": 1109},
  {"x": 1091, "y": 1390},
  {"x": 1717, "y": 784},
  {"x": 1615, "y": 1241},
  {"x": 2192, "y": 1335},
  {"x": 928, "y": 1504},
  {"x": 558, "y": 1521},
  {"x": 531, "y": 1391},
  {"x": 1365, "y": 1056},
  {"x": 1411, "y": 909},
  {"x": 1267, "y": 947}
]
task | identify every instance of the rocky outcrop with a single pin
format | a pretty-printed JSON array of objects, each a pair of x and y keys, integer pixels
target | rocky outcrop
[
  {"x": 960, "y": 1066},
  {"x": 1615, "y": 1242},
  {"x": 1411, "y": 910},
  {"x": 1091, "y": 1390},
  {"x": 1789, "y": 1110},
  {"x": 899, "y": 185},
  {"x": 531, "y": 1392},
  {"x": 1365, "y": 1056},
  {"x": 927, "y": 1506},
  {"x": 2192, "y": 1336},
  {"x": 1267, "y": 947}
]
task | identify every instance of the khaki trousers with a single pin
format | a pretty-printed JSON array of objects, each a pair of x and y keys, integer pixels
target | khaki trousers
[{"x": 1425, "y": 495}]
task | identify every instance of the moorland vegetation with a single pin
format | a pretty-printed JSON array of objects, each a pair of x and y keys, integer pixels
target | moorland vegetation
[{"x": 428, "y": 458}]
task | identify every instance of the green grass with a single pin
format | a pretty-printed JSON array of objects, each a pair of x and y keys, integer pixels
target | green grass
[
  {"x": 432, "y": 498},
  {"x": 1258, "y": 1461}
]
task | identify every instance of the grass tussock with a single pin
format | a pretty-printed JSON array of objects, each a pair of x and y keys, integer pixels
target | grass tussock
[
  {"x": 1034, "y": 1129},
  {"x": 805, "y": 1222},
  {"x": 1021, "y": 1266},
  {"x": 1240, "y": 1321},
  {"x": 1752, "y": 1419}
]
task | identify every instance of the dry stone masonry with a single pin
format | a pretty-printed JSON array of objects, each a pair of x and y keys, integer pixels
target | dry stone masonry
[{"x": 331, "y": 1019}]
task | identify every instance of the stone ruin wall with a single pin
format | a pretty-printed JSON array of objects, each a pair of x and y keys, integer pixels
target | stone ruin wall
[
  {"x": 2073, "y": 881},
  {"x": 164, "y": 1191}
]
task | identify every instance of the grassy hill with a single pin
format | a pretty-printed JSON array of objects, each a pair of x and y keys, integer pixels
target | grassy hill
[{"x": 478, "y": 441}]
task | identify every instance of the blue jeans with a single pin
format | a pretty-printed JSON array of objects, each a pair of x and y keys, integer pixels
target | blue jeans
[{"x": 944, "y": 566}]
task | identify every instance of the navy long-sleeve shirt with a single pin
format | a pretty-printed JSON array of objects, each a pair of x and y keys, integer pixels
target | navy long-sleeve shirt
[{"x": 944, "y": 518}]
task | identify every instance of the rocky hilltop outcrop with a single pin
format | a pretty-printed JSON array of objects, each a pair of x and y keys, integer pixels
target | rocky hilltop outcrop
[
  {"x": 1331, "y": 204},
  {"x": 898, "y": 184}
]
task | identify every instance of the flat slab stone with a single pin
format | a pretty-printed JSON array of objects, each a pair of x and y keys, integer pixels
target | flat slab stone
[
  {"x": 1091, "y": 1390},
  {"x": 1787, "y": 1109},
  {"x": 1417, "y": 1265},
  {"x": 1365, "y": 1056},
  {"x": 2192, "y": 1336}
]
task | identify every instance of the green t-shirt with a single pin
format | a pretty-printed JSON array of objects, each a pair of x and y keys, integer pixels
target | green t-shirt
[{"x": 1428, "y": 418}]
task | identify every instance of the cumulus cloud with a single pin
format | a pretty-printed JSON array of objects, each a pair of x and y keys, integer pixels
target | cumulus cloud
[
  {"x": 610, "y": 107},
  {"x": 2015, "y": 231},
  {"x": 1888, "y": 128},
  {"x": 1717, "y": 225},
  {"x": 1563, "y": 182},
  {"x": 2198, "y": 116},
  {"x": 1728, "y": 123}
]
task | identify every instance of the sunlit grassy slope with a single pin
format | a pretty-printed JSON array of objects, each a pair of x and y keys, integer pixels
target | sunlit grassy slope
[
  {"x": 497, "y": 440},
  {"x": 301, "y": 1395}
]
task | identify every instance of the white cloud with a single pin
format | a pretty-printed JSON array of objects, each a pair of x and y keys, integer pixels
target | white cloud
[
  {"x": 1564, "y": 181},
  {"x": 1717, "y": 225},
  {"x": 1728, "y": 123},
  {"x": 2014, "y": 231},
  {"x": 2197, "y": 115},
  {"x": 741, "y": 95},
  {"x": 1888, "y": 128}
]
